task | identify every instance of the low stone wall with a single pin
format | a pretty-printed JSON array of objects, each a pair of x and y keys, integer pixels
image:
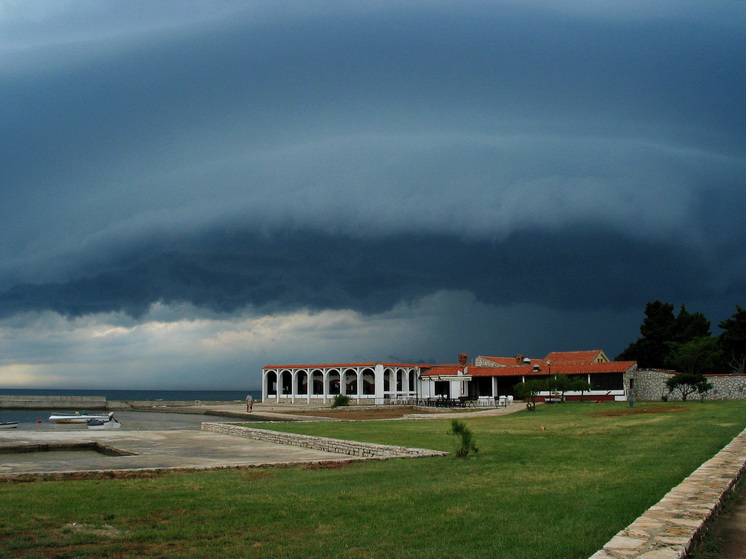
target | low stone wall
[
  {"x": 338, "y": 446},
  {"x": 651, "y": 385},
  {"x": 671, "y": 528},
  {"x": 53, "y": 402}
]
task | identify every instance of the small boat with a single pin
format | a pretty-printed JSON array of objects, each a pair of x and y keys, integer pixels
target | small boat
[
  {"x": 8, "y": 424},
  {"x": 110, "y": 423},
  {"x": 78, "y": 417}
]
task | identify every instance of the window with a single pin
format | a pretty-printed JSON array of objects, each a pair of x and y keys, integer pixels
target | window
[{"x": 608, "y": 381}]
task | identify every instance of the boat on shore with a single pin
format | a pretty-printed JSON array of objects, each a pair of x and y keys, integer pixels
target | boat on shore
[
  {"x": 79, "y": 417},
  {"x": 8, "y": 424},
  {"x": 110, "y": 423}
]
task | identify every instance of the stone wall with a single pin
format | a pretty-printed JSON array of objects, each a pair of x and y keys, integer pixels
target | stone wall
[
  {"x": 651, "y": 385},
  {"x": 338, "y": 446},
  {"x": 480, "y": 361}
]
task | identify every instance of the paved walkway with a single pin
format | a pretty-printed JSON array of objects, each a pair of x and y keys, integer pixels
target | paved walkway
[{"x": 280, "y": 412}]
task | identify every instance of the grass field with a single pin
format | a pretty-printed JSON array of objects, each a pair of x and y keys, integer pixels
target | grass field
[{"x": 555, "y": 483}]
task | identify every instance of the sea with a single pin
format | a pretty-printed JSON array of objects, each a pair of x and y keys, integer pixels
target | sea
[
  {"x": 31, "y": 416},
  {"x": 140, "y": 395}
]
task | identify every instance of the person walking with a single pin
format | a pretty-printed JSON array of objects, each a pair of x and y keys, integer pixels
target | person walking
[{"x": 249, "y": 403}]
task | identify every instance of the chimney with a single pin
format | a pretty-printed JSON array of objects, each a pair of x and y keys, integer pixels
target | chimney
[
  {"x": 462, "y": 359},
  {"x": 519, "y": 359}
]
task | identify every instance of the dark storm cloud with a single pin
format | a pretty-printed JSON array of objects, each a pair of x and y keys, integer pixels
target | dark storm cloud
[
  {"x": 279, "y": 156},
  {"x": 227, "y": 272}
]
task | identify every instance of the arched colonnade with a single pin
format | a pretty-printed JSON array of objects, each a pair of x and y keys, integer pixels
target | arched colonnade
[{"x": 376, "y": 383}]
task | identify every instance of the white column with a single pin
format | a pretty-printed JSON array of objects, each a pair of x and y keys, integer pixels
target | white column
[
  {"x": 264, "y": 385},
  {"x": 325, "y": 383},
  {"x": 359, "y": 385},
  {"x": 378, "y": 375},
  {"x": 293, "y": 380},
  {"x": 309, "y": 385}
]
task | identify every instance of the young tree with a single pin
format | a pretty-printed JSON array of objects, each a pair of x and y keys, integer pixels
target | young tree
[
  {"x": 581, "y": 385},
  {"x": 687, "y": 384},
  {"x": 528, "y": 390},
  {"x": 733, "y": 340},
  {"x": 464, "y": 436},
  {"x": 562, "y": 384}
]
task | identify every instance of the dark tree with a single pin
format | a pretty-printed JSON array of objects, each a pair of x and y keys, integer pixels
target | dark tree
[
  {"x": 733, "y": 340},
  {"x": 662, "y": 333},
  {"x": 689, "y": 326},
  {"x": 697, "y": 356},
  {"x": 650, "y": 350}
]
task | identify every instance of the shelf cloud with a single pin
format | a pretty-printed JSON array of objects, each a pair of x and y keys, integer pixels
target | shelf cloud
[{"x": 527, "y": 166}]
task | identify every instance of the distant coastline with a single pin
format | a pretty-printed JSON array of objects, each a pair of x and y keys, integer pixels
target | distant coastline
[{"x": 140, "y": 395}]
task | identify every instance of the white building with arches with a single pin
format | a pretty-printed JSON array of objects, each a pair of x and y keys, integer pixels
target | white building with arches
[{"x": 374, "y": 383}]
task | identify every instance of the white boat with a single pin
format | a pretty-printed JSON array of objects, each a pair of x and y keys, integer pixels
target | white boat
[
  {"x": 78, "y": 417},
  {"x": 8, "y": 424},
  {"x": 110, "y": 423}
]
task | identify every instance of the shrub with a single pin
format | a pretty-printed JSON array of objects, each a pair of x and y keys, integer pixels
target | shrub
[
  {"x": 464, "y": 436},
  {"x": 341, "y": 400}
]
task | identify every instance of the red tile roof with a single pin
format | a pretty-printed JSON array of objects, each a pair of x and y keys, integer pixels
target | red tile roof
[
  {"x": 515, "y": 370},
  {"x": 442, "y": 370},
  {"x": 563, "y": 362},
  {"x": 532, "y": 370}
]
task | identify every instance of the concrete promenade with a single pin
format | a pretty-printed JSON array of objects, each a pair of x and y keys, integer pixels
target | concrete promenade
[
  {"x": 65, "y": 450},
  {"x": 63, "y": 453}
]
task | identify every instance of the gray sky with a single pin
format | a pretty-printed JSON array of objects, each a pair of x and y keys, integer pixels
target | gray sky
[{"x": 190, "y": 191}]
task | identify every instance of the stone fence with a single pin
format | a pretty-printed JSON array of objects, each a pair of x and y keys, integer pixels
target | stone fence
[
  {"x": 338, "y": 446},
  {"x": 651, "y": 385}
]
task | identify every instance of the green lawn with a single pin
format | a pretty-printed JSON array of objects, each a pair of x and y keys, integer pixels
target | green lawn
[{"x": 557, "y": 492}]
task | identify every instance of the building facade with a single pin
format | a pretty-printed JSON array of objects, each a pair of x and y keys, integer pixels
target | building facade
[{"x": 485, "y": 380}]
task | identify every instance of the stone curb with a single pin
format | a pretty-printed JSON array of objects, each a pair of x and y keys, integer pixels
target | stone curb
[
  {"x": 673, "y": 526},
  {"x": 338, "y": 446}
]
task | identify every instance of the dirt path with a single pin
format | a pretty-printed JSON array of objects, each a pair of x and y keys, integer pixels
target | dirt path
[
  {"x": 356, "y": 414},
  {"x": 727, "y": 539},
  {"x": 731, "y": 527}
]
